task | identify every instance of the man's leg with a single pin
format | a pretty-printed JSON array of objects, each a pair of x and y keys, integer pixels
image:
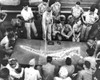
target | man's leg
[
  {"x": 83, "y": 32},
  {"x": 87, "y": 32},
  {"x": 49, "y": 35},
  {"x": 27, "y": 26},
  {"x": 49, "y": 32},
  {"x": 44, "y": 32},
  {"x": 59, "y": 38},
  {"x": 34, "y": 29}
]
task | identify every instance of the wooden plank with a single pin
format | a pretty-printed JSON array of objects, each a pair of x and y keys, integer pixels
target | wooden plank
[
  {"x": 82, "y": 3},
  {"x": 71, "y": 7},
  {"x": 78, "y": 0},
  {"x": 68, "y": 10},
  {"x": 14, "y": 11}
]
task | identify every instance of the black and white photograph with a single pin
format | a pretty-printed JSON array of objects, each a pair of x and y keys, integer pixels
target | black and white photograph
[{"x": 49, "y": 39}]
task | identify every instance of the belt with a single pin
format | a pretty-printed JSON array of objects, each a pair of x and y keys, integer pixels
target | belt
[{"x": 30, "y": 20}]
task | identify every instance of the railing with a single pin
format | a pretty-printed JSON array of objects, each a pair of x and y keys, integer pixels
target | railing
[{"x": 68, "y": 4}]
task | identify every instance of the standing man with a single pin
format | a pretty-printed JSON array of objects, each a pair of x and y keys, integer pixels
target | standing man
[
  {"x": 77, "y": 10},
  {"x": 86, "y": 73},
  {"x": 48, "y": 69},
  {"x": 31, "y": 73},
  {"x": 29, "y": 21},
  {"x": 47, "y": 22},
  {"x": 88, "y": 18}
]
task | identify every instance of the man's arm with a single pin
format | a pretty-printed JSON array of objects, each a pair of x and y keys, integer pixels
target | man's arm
[
  {"x": 71, "y": 31},
  {"x": 5, "y": 43},
  {"x": 44, "y": 21},
  {"x": 4, "y": 16},
  {"x": 96, "y": 18},
  {"x": 63, "y": 33},
  {"x": 31, "y": 13},
  {"x": 84, "y": 18}
]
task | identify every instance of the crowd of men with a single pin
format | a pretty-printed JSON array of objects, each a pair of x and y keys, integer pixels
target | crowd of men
[
  {"x": 77, "y": 27},
  {"x": 85, "y": 69},
  {"x": 54, "y": 26}
]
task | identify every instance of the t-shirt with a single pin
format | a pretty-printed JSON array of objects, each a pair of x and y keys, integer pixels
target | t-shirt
[
  {"x": 90, "y": 18},
  {"x": 77, "y": 11},
  {"x": 27, "y": 14},
  {"x": 84, "y": 75},
  {"x": 31, "y": 74}
]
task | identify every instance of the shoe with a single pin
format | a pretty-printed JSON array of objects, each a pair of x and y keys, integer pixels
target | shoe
[{"x": 50, "y": 43}]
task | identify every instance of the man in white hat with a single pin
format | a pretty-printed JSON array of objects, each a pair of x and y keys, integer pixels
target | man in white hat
[
  {"x": 63, "y": 74},
  {"x": 15, "y": 70},
  {"x": 89, "y": 18},
  {"x": 31, "y": 73}
]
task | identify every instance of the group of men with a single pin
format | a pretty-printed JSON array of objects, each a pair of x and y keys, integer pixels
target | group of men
[
  {"x": 46, "y": 14},
  {"x": 82, "y": 21},
  {"x": 53, "y": 23}
]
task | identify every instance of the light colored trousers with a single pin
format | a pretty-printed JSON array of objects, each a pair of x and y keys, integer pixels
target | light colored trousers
[
  {"x": 85, "y": 31},
  {"x": 47, "y": 32},
  {"x": 28, "y": 26}
]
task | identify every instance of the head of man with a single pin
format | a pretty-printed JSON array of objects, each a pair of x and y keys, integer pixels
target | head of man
[
  {"x": 68, "y": 61},
  {"x": 11, "y": 36},
  {"x": 49, "y": 10},
  {"x": 57, "y": 22},
  {"x": 8, "y": 30},
  {"x": 96, "y": 7},
  {"x": 26, "y": 7},
  {"x": 67, "y": 29},
  {"x": 4, "y": 63},
  {"x": 78, "y": 3},
  {"x": 92, "y": 9},
  {"x": 62, "y": 19},
  {"x": 13, "y": 63},
  {"x": 87, "y": 65},
  {"x": 4, "y": 74},
  {"x": 49, "y": 59}
]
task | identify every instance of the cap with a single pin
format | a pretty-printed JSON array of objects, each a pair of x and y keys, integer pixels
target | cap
[
  {"x": 62, "y": 17},
  {"x": 63, "y": 72},
  {"x": 32, "y": 62}
]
